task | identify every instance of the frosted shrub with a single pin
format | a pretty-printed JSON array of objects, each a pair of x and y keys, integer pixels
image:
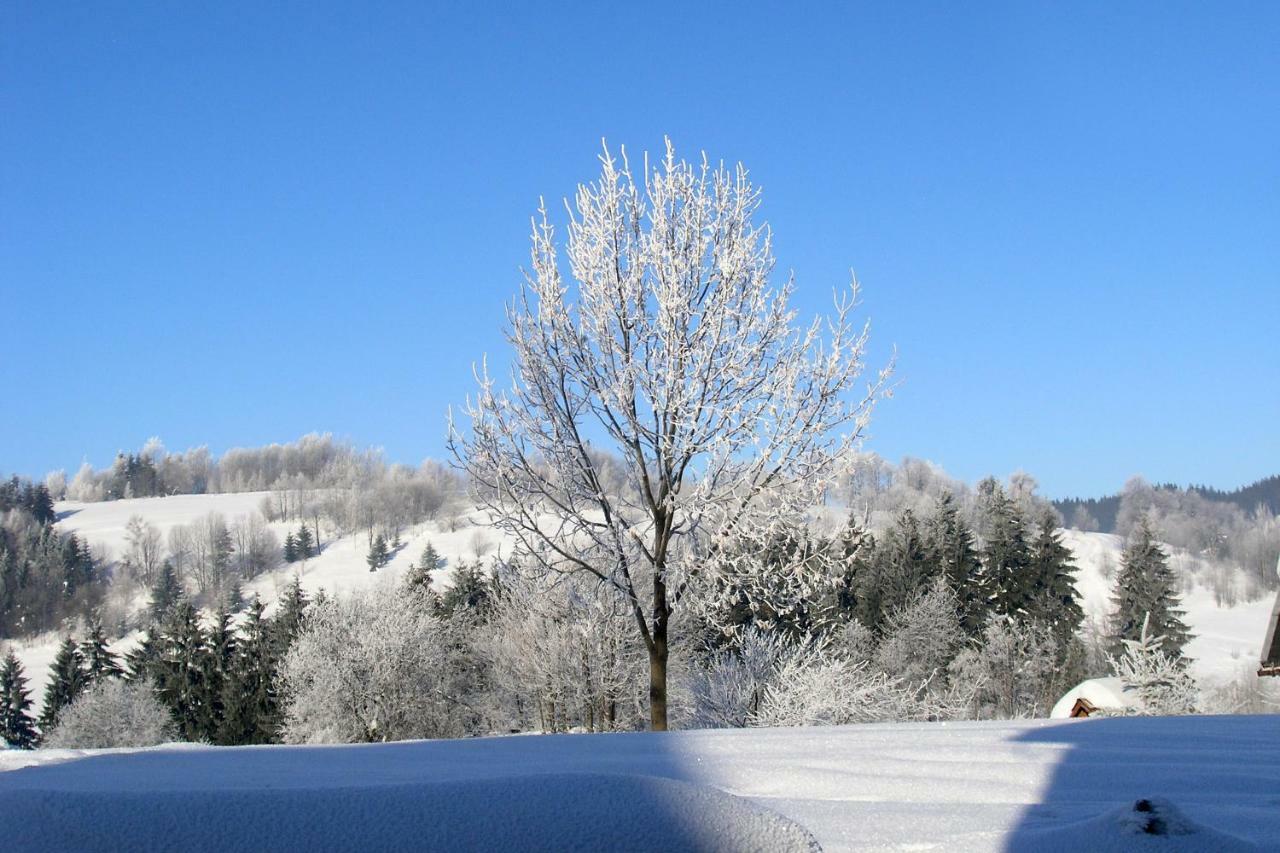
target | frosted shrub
[
  {"x": 726, "y": 693},
  {"x": 1013, "y": 672},
  {"x": 1160, "y": 680},
  {"x": 813, "y": 690},
  {"x": 561, "y": 649},
  {"x": 369, "y": 667},
  {"x": 113, "y": 713}
]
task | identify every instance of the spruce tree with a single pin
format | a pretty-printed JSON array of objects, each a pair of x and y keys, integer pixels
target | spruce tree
[
  {"x": 234, "y": 602},
  {"x": 471, "y": 590},
  {"x": 251, "y": 708},
  {"x": 951, "y": 542},
  {"x": 288, "y": 621},
  {"x": 1147, "y": 587},
  {"x": 901, "y": 566},
  {"x": 378, "y": 556},
  {"x": 304, "y": 543},
  {"x": 1056, "y": 602},
  {"x": 139, "y": 662},
  {"x": 1007, "y": 558},
  {"x": 290, "y": 548},
  {"x": 99, "y": 662},
  {"x": 183, "y": 673},
  {"x": 166, "y": 593},
  {"x": 418, "y": 578},
  {"x": 17, "y": 728},
  {"x": 66, "y": 683}
]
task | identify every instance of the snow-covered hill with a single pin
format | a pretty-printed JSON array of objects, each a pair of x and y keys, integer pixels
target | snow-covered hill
[
  {"x": 1125, "y": 784},
  {"x": 340, "y": 568},
  {"x": 1226, "y": 639}
]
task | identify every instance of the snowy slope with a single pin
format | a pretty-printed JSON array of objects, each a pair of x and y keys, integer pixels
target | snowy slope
[
  {"x": 339, "y": 569},
  {"x": 1034, "y": 786},
  {"x": 1225, "y": 639}
]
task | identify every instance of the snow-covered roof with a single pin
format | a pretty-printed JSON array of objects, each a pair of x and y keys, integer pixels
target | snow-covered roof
[{"x": 1107, "y": 693}]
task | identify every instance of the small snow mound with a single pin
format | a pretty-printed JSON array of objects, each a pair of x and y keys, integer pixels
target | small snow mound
[
  {"x": 1145, "y": 824},
  {"x": 574, "y": 811}
]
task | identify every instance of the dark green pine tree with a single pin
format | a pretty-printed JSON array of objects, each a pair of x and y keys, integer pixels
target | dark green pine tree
[
  {"x": 99, "y": 662},
  {"x": 1145, "y": 585},
  {"x": 223, "y": 549},
  {"x": 290, "y": 548},
  {"x": 378, "y": 555},
  {"x": 1007, "y": 558},
  {"x": 1056, "y": 603},
  {"x": 234, "y": 602},
  {"x": 902, "y": 566},
  {"x": 417, "y": 580},
  {"x": 66, "y": 682},
  {"x": 139, "y": 662},
  {"x": 304, "y": 543},
  {"x": 470, "y": 590},
  {"x": 167, "y": 592},
  {"x": 288, "y": 621},
  {"x": 951, "y": 542},
  {"x": 251, "y": 711},
  {"x": 17, "y": 728},
  {"x": 221, "y": 665},
  {"x": 183, "y": 671}
]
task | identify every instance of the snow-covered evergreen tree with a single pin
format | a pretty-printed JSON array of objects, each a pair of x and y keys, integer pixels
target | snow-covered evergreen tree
[
  {"x": 17, "y": 727},
  {"x": 67, "y": 680},
  {"x": 99, "y": 662},
  {"x": 1007, "y": 558},
  {"x": 1146, "y": 590},
  {"x": 1055, "y": 601}
]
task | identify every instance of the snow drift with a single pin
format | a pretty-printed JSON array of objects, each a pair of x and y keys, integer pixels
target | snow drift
[{"x": 540, "y": 812}]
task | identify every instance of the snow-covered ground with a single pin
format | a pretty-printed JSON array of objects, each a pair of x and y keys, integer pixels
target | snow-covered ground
[{"x": 1031, "y": 785}]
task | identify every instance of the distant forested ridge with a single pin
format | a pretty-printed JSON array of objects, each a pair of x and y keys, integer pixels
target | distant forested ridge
[
  {"x": 1240, "y": 526},
  {"x": 1104, "y": 510}
]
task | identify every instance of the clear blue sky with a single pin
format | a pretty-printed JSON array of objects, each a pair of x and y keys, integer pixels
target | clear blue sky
[{"x": 226, "y": 224}]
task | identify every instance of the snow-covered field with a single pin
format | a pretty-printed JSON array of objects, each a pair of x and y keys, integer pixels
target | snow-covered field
[{"x": 1029, "y": 785}]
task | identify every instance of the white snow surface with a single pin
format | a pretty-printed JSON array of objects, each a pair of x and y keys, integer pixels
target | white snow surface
[{"x": 983, "y": 786}]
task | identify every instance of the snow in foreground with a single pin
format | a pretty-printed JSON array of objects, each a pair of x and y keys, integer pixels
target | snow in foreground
[{"x": 1210, "y": 783}]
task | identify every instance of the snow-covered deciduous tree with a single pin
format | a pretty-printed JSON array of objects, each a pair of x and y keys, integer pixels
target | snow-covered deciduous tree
[
  {"x": 561, "y": 645},
  {"x": 1013, "y": 672},
  {"x": 143, "y": 553},
  {"x": 815, "y": 688},
  {"x": 725, "y": 692},
  {"x": 113, "y": 713},
  {"x": 675, "y": 350},
  {"x": 1156, "y": 676},
  {"x": 368, "y": 667},
  {"x": 922, "y": 638}
]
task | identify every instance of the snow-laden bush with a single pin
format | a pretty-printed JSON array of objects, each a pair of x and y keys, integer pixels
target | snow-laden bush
[
  {"x": 1160, "y": 680},
  {"x": 560, "y": 653},
  {"x": 771, "y": 680},
  {"x": 813, "y": 689},
  {"x": 370, "y": 666},
  {"x": 726, "y": 692},
  {"x": 1013, "y": 673},
  {"x": 113, "y": 713}
]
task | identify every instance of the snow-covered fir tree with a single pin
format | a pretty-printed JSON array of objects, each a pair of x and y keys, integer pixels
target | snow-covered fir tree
[
  {"x": 67, "y": 679},
  {"x": 17, "y": 726},
  {"x": 1146, "y": 592}
]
